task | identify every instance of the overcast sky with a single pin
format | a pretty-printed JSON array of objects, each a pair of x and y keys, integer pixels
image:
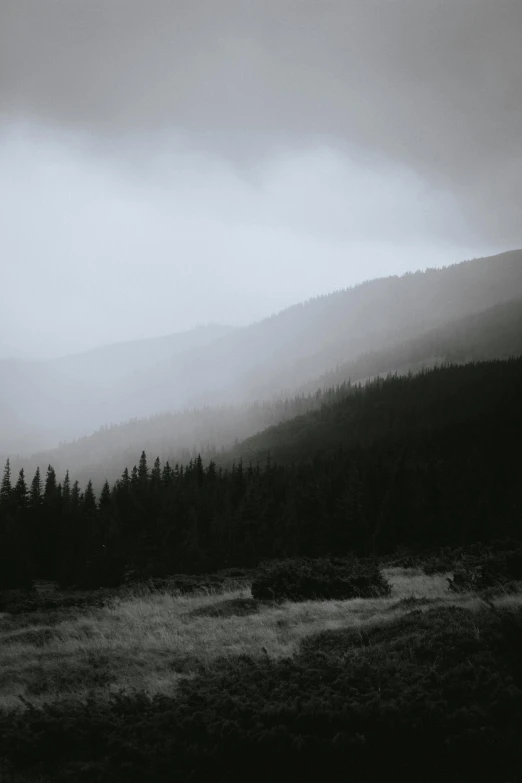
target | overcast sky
[{"x": 177, "y": 162}]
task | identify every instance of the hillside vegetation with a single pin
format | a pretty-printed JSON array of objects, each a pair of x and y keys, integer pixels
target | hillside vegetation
[
  {"x": 154, "y": 686},
  {"x": 338, "y": 594},
  {"x": 415, "y": 460},
  {"x": 252, "y": 363},
  {"x": 179, "y": 437},
  {"x": 495, "y": 333}
]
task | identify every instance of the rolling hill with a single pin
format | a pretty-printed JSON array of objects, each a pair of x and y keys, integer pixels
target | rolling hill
[
  {"x": 495, "y": 333},
  {"x": 45, "y": 402}
]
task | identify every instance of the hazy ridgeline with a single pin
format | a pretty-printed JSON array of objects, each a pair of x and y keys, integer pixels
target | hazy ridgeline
[
  {"x": 285, "y": 544},
  {"x": 419, "y": 468},
  {"x": 418, "y": 461},
  {"x": 42, "y": 403},
  {"x": 204, "y": 388}
]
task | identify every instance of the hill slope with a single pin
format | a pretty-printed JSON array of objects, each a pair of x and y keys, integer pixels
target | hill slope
[
  {"x": 309, "y": 339},
  {"x": 256, "y": 362},
  {"x": 44, "y": 402},
  {"x": 392, "y": 408},
  {"x": 494, "y": 333},
  {"x": 427, "y": 460}
]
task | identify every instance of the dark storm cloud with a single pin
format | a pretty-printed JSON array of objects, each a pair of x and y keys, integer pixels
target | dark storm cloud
[{"x": 434, "y": 85}]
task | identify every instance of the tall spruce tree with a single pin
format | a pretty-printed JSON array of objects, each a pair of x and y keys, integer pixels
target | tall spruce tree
[
  {"x": 89, "y": 500},
  {"x": 66, "y": 492},
  {"x": 35, "y": 493},
  {"x": 51, "y": 488},
  {"x": 20, "y": 491},
  {"x": 155, "y": 474},
  {"x": 105, "y": 498},
  {"x": 143, "y": 470},
  {"x": 5, "y": 486},
  {"x": 75, "y": 499},
  {"x": 167, "y": 474}
]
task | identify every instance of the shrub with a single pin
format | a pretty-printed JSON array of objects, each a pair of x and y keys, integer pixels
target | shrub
[
  {"x": 491, "y": 572},
  {"x": 304, "y": 579},
  {"x": 20, "y": 602},
  {"x": 434, "y": 697},
  {"x": 194, "y": 583}
]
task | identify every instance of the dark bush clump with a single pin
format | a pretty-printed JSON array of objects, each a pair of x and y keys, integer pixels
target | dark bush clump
[
  {"x": 434, "y": 697},
  {"x": 194, "y": 583},
  {"x": 479, "y": 565},
  {"x": 304, "y": 579},
  {"x": 489, "y": 573},
  {"x": 22, "y": 602}
]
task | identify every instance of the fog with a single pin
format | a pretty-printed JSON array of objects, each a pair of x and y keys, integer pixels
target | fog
[
  {"x": 173, "y": 164},
  {"x": 100, "y": 250}
]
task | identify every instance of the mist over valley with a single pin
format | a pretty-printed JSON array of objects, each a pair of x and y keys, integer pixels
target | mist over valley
[{"x": 260, "y": 391}]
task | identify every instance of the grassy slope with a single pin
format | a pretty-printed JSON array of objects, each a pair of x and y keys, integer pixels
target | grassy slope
[
  {"x": 217, "y": 682},
  {"x": 148, "y": 641}
]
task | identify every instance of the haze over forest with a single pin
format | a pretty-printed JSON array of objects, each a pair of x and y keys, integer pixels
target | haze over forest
[
  {"x": 172, "y": 164},
  {"x": 260, "y": 390},
  {"x": 217, "y": 207}
]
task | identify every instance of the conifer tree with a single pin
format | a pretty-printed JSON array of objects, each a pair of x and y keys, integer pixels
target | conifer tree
[
  {"x": 198, "y": 468},
  {"x": 155, "y": 474},
  {"x": 167, "y": 474},
  {"x": 35, "y": 493},
  {"x": 66, "y": 492},
  {"x": 105, "y": 498},
  {"x": 50, "y": 489},
  {"x": 89, "y": 500},
  {"x": 105, "y": 511},
  {"x": 143, "y": 471},
  {"x": 125, "y": 480},
  {"x": 75, "y": 498},
  {"x": 20, "y": 491},
  {"x": 5, "y": 487}
]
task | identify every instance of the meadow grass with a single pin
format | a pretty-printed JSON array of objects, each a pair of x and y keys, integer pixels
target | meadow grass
[{"x": 149, "y": 641}]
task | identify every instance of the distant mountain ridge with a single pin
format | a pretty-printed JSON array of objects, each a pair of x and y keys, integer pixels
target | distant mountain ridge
[
  {"x": 279, "y": 354},
  {"x": 495, "y": 333},
  {"x": 118, "y": 360},
  {"x": 309, "y": 339},
  {"x": 48, "y": 388}
]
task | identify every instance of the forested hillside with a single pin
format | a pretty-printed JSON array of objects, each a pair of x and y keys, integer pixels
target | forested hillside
[
  {"x": 44, "y": 403},
  {"x": 179, "y": 437},
  {"x": 495, "y": 333},
  {"x": 309, "y": 339},
  {"x": 414, "y": 460}
]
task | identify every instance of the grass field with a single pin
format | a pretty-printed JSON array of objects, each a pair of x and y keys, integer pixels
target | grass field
[
  {"x": 148, "y": 642},
  {"x": 303, "y": 679}
]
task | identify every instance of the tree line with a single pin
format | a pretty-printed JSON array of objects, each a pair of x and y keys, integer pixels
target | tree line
[{"x": 417, "y": 461}]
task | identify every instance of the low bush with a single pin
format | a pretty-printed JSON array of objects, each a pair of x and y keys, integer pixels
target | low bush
[
  {"x": 489, "y": 573},
  {"x": 435, "y": 696},
  {"x": 304, "y": 579},
  {"x": 31, "y": 600},
  {"x": 22, "y": 602},
  {"x": 190, "y": 584},
  {"x": 500, "y": 557}
]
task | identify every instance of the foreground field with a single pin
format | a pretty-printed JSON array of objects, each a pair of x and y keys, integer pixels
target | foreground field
[
  {"x": 424, "y": 683},
  {"x": 148, "y": 642}
]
